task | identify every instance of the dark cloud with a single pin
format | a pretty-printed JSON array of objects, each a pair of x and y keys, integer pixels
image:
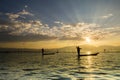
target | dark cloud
[
  {"x": 5, "y": 22},
  {"x": 71, "y": 38},
  {"x": 6, "y": 37}
]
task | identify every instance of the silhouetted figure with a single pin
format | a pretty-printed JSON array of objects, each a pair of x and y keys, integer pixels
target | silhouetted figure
[
  {"x": 104, "y": 50},
  {"x": 78, "y": 50},
  {"x": 42, "y": 51}
]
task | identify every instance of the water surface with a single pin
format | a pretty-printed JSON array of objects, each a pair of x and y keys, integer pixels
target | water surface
[{"x": 61, "y": 66}]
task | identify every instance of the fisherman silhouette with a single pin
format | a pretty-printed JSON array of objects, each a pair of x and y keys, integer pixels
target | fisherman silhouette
[
  {"x": 104, "y": 50},
  {"x": 42, "y": 51},
  {"x": 78, "y": 50}
]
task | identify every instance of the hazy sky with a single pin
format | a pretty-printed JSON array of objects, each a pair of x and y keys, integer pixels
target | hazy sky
[{"x": 58, "y": 23}]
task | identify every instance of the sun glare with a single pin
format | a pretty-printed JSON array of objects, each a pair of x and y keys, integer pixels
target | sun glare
[
  {"x": 88, "y": 52},
  {"x": 87, "y": 39}
]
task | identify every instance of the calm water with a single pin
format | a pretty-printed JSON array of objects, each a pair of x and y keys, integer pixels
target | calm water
[{"x": 61, "y": 66}]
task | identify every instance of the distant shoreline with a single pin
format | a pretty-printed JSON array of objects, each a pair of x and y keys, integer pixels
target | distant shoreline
[
  {"x": 15, "y": 50},
  {"x": 62, "y": 50}
]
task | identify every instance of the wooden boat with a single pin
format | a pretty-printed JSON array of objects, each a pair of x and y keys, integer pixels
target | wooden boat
[
  {"x": 95, "y": 54},
  {"x": 48, "y": 53}
]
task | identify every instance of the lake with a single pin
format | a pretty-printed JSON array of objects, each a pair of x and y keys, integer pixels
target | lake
[{"x": 61, "y": 66}]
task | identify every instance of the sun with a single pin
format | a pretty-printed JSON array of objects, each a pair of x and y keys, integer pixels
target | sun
[{"x": 87, "y": 39}]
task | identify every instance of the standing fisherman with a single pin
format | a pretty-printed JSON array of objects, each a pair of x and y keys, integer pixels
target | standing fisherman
[
  {"x": 78, "y": 50},
  {"x": 42, "y": 51}
]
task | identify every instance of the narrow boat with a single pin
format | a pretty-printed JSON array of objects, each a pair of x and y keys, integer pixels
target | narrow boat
[
  {"x": 95, "y": 54},
  {"x": 48, "y": 53}
]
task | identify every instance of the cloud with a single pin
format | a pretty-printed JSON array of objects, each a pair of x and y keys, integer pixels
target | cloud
[
  {"x": 42, "y": 31},
  {"x": 58, "y": 22},
  {"x": 24, "y": 31},
  {"x": 6, "y": 37},
  {"x": 35, "y": 30},
  {"x": 14, "y": 16},
  {"x": 107, "y": 16},
  {"x": 26, "y": 6},
  {"x": 113, "y": 31},
  {"x": 5, "y": 22},
  {"x": 1, "y": 13},
  {"x": 24, "y": 12}
]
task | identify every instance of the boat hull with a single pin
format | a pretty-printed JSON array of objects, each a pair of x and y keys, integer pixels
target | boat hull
[
  {"x": 48, "y": 53},
  {"x": 95, "y": 54}
]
